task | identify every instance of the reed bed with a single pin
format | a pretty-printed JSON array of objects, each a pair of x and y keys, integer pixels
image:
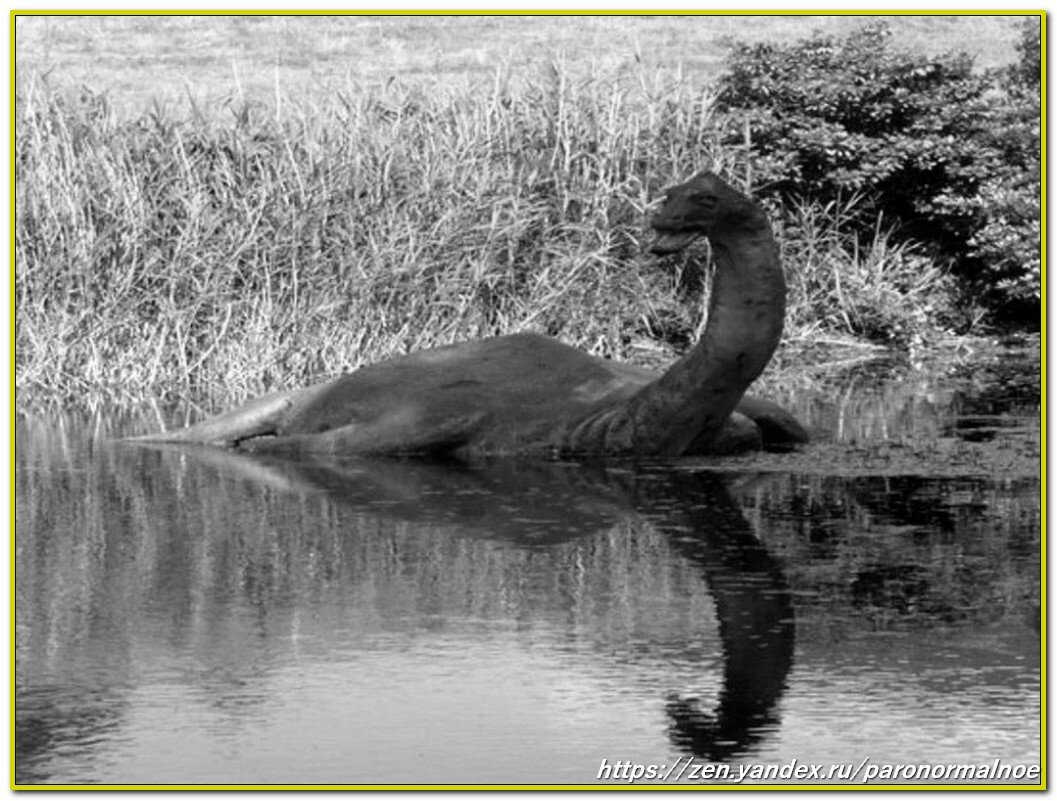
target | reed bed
[{"x": 243, "y": 248}]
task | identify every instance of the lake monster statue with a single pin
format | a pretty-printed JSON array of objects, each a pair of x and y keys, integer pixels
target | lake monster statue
[{"x": 529, "y": 395}]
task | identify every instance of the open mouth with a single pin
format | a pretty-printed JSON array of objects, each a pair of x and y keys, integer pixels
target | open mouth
[{"x": 672, "y": 241}]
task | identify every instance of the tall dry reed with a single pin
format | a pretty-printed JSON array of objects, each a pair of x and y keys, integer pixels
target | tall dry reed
[{"x": 225, "y": 254}]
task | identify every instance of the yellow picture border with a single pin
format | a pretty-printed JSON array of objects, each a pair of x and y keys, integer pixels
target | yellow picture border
[{"x": 533, "y": 12}]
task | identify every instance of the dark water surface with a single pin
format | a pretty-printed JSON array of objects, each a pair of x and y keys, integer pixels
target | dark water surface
[{"x": 190, "y": 616}]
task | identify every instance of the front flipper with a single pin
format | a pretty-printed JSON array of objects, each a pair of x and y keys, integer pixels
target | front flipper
[
  {"x": 756, "y": 424},
  {"x": 739, "y": 434},
  {"x": 778, "y": 428}
]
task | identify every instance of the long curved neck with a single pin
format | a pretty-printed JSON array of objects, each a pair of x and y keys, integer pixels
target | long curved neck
[{"x": 693, "y": 400}]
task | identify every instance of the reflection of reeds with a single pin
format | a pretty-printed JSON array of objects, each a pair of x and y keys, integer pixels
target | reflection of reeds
[
  {"x": 131, "y": 538},
  {"x": 941, "y": 551},
  {"x": 168, "y": 568},
  {"x": 131, "y": 548},
  {"x": 895, "y": 486}
]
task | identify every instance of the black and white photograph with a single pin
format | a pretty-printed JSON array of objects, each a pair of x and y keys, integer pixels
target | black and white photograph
[{"x": 536, "y": 399}]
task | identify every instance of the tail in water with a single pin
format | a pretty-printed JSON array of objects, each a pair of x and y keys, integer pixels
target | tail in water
[{"x": 258, "y": 418}]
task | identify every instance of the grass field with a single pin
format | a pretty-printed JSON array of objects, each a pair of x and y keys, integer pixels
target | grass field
[{"x": 139, "y": 60}]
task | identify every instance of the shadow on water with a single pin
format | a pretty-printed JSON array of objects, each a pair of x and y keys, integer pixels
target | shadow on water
[{"x": 188, "y": 615}]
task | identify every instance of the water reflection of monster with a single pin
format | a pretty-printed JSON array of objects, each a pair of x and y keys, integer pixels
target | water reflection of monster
[
  {"x": 755, "y": 614},
  {"x": 702, "y": 521}
]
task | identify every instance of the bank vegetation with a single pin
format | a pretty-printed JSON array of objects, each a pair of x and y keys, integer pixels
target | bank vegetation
[{"x": 243, "y": 248}]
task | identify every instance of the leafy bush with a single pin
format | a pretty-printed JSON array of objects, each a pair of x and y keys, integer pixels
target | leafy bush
[
  {"x": 948, "y": 156},
  {"x": 1009, "y": 241}
]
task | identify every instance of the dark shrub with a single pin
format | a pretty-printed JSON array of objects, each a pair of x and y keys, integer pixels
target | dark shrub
[{"x": 946, "y": 155}]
